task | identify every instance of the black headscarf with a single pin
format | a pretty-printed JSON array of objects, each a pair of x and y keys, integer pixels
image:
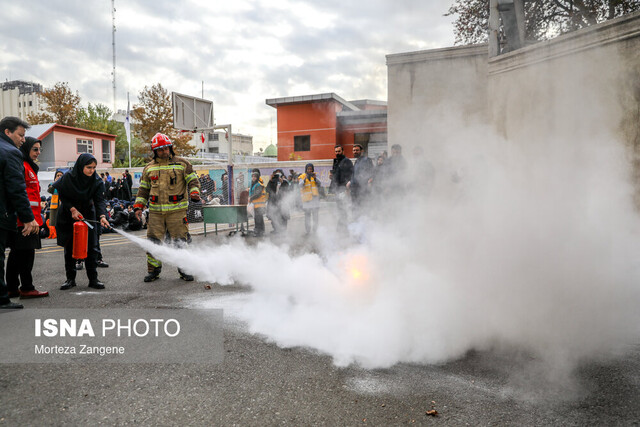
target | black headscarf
[
  {"x": 75, "y": 185},
  {"x": 26, "y": 151}
]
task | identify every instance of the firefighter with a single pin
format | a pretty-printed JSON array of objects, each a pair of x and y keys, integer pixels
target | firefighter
[{"x": 166, "y": 184}]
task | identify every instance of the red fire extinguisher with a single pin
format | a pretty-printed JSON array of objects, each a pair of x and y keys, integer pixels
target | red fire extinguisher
[{"x": 80, "y": 240}]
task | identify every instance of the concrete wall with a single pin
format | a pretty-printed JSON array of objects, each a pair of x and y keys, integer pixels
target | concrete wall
[
  {"x": 568, "y": 87},
  {"x": 426, "y": 83},
  {"x": 571, "y": 84}
]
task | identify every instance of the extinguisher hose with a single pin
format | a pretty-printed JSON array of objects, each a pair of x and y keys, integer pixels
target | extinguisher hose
[{"x": 87, "y": 221}]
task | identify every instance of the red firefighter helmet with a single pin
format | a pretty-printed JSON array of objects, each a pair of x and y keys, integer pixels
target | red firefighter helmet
[{"x": 160, "y": 140}]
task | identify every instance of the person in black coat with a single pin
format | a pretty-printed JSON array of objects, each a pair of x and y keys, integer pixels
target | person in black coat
[
  {"x": 361, "y": 178},
  {"x": 14, "y": 202},
  {"x": 129, "y": 179},
  {"x": 135, "y": 222},
  {"x": 127, "y": 182},
  {"x": 120, "y": 219},
  {"x": 117, "y": 188},
  {"x": 277, "y": 204},
  {"x": 23, "y": 248},
  {"x": 81, "y": 197},
  {"x": 225, "y": 188},
  {"x": 341, "y": 174}
]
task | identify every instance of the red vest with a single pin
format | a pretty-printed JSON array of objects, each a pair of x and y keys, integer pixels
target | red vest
[{"x": 33, "y": 193}]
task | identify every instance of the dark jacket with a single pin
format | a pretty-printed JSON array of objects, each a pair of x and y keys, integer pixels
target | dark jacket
[
  {"x": 277, "y": 203},
  {"x": 88, "y": 200},
  {"x": 362, "y": 171},
  {"x": 134, "y": 224},
  {"x": 120, "y": 218},
  {"x": 14, "y": 202},
  {"x": 129, "y": 179},
  {"x": 342, "y": 172}
]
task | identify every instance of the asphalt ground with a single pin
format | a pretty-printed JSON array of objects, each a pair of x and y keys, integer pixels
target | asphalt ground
[{"x": 260, "y": 384}]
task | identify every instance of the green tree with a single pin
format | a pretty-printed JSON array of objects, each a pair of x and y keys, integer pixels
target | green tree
[
  {"x": 61, "y": 106},
  {"x": 96, "y": 117},
  {"x": 99, "y": 118},
  {"x": 154, "y": 114},
  {"x": 543, "y": 19}
]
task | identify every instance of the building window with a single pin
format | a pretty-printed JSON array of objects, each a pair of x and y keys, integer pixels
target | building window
[
  {"x": 84, "y": 146},
  {"x": 302, "y": 143},
  {"x": 106, "y": 151},
  {"x": 213, "y": 137},
  {"x": 30, "y": 103},
  {"x": 213, "y": 149}
]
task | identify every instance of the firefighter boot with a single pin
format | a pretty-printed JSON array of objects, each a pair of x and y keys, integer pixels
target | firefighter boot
[
  {"x": 184, "y": 276},
  {"x": 153, "y": 275}
]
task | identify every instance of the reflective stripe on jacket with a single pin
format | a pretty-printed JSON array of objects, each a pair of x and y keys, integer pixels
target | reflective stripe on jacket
[{"x": 167, "y": 184}]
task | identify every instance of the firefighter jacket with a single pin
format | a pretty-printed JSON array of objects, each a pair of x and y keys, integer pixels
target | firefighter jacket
[
  {"x": 167, "y": 184},
  {"x": 308, "y": 187},
  {"x": 257, "y": 195}
]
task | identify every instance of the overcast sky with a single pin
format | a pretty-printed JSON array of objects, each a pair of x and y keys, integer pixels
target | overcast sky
[{"x": 245, "y": 51}]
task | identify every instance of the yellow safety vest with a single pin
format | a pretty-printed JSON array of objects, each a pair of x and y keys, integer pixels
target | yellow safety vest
[
  {"x": 262, "y": 199},
  {"x": 53, "y": 208},
  {"x": 309, "y": 188}
]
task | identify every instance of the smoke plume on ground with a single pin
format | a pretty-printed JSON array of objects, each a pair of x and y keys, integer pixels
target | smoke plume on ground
[
  {"x": 529, "y": 243},
  {"x": 501, "y": 247}
]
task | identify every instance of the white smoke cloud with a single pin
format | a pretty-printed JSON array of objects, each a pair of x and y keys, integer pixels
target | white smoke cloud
[
  {"x": 506, "y": 249},
  {"x": 529, "y": 243}
]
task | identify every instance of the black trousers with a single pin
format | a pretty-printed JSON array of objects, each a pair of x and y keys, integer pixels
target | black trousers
[
  {"x": 258, "y": 214},
  {"x": 4, "y": 291},
  {"x": 19, "y": 267},
  {"x": 90, "y": 262}
]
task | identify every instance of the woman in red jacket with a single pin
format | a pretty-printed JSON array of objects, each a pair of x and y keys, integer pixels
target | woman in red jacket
[{"x": 23, "y": 248}]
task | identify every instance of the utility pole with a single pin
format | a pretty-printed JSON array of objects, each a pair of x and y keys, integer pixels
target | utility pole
[{"x": 494, "y": 28}]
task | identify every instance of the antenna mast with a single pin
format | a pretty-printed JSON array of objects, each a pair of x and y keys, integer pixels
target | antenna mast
[{"x": 113, "y": 43}]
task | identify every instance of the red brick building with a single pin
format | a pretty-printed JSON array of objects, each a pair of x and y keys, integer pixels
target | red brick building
[{"x": 310, "y": 126}]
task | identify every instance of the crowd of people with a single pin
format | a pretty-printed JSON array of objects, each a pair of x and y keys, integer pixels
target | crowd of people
[
  {"x": 354, "y": 185},
  {"x": 79, "y": 196},
  {"x": 118, "y": 204},
  {"x": 169, "y": 189}
]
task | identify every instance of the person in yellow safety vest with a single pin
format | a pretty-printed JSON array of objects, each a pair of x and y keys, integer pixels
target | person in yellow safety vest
[
  {"x": 166, "y": 183},
  {"x": 53, "y": 208},
  {"x": 309, "y": 184},
  {"x": 257, "y": 196}
]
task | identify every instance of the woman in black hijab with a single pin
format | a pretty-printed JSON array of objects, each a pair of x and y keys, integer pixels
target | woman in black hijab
[{"x": 81, "y": 197}]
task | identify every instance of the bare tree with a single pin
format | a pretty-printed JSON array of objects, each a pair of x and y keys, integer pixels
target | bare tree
[
  {"x": 154, "y": 114},
  {"x": 544, "y": 18}
]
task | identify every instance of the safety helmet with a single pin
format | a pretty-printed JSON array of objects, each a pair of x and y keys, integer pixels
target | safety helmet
[{"x": 160, "y": 140}]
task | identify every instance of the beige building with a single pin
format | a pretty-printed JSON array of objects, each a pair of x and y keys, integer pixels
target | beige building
[
  {"x": 20, "y": 98},
  {"x": 217, "y": 143}
]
